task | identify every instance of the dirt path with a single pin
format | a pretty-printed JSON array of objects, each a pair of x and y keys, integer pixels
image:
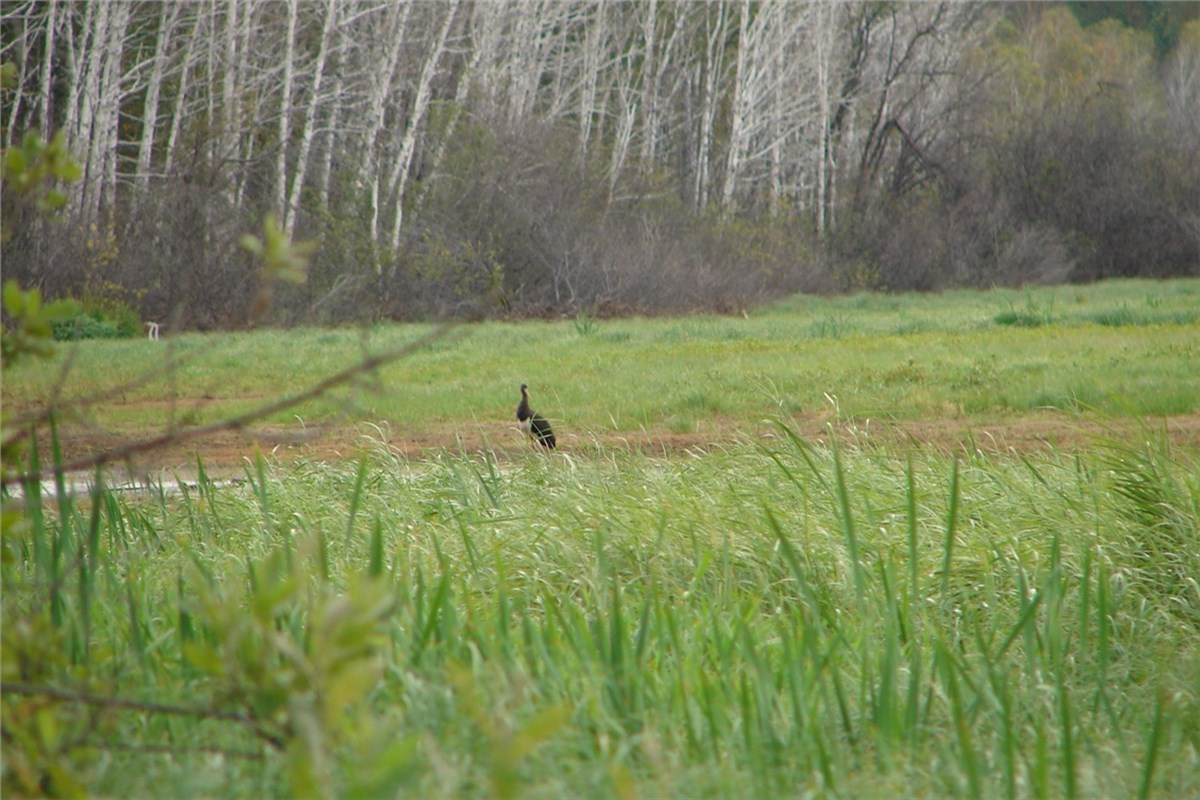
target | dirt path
[{"x": 225, "y": 452}]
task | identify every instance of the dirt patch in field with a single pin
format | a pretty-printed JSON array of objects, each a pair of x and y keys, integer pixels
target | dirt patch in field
[{"x": 225, "y": 452}]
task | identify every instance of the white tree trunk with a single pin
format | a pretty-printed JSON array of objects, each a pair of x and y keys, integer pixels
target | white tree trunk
[
  {"x": 714, "y": 54},
  {"x": 394, "y": 32},
  {"x": 45, "y": 118},
  {"x": 106, "y": 133},
  {"x": 231, "y": 111},
  {"x": 627, "y": 114},
  {"x": 416, "y": 120},
  {"x": 593, "y": 59},
  {"x": 83, "y": 88},
  {"x": 737, "y": 122},
  {"x": 822, "y": 52},
  {"x": 649, "y": 85},
  {"x": 169, "y": 18},
  {"x": 310, "y": 116},
  {"x": 460, "y": 98},
  {"x": 21, "y": 63},
  {"x": 182, "y": 93},
  {"x": 285, "y": 107}
]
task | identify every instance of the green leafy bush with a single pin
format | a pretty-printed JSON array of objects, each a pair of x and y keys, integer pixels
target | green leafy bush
[{"x": 97, "y": 319}]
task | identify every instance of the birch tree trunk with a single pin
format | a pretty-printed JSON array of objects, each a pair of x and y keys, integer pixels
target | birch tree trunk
[
  {"x": 230, "y": 102},
  {"x": 593, "y": 49},
  {"x": 106, "y": 133},
  {"x": 334, "y": 117},
  {"x": 83, "y": 88},
  {"x": 461, "y": 92},
  {"x": 182, "y": 93},
  {"x": 285, "y": 107},
  {"x": 416, "y": 120},
  {"x": 649, "y": 85},
  {"x": 20, "y": 61},
  {"x": 737, "y": 122},
  {"x": 627, "y": 114},
  {"x": 166, "y": 28},
  {"x": 310, "y": 117},
  {"x": 714, "y": 54},
  {"x": 822, "y": 49},
  {"x": 45, "y": 118},
  {"x": 393, "y": 34}
]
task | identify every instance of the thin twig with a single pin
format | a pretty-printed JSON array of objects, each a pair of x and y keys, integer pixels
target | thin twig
[
  {"x": 367, "y": 365},
  {"x": 172, "y": 749},
  {"x": 35, "y": 690},
  {"x": 18, "y": 427}
]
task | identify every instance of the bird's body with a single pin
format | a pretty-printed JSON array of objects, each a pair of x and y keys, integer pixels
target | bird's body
[{"x": 534, "y": 424}]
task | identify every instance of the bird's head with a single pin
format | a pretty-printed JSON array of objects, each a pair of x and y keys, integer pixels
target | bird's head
[{"x": 524, "y": 388}]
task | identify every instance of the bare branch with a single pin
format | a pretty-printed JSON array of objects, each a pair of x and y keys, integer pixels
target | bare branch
[{"x": 368, "y": 365}]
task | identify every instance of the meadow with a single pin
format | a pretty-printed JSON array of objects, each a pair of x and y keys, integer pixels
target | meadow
[
  {"x": 764, "y": 616},
  {"x": 1116, "y": 349}
]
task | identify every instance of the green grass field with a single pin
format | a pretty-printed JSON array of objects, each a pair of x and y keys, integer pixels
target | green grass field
[
  {"x": 1115, "y": 349},
  {"x": 764, "y": 617}
]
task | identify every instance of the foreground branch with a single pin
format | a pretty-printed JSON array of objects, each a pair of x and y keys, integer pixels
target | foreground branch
[
  {"x": 240, "y": 422},
  {"x": 33, "y": 690}
]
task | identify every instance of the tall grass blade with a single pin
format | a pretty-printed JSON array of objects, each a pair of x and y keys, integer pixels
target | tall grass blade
[
  {"x": 35, "y": 512},
  {"x": 847, "y": 520},
  {"x": 639, "y": 645},
  {"x": 486, "y": 485},
  {"x": 1149, "y": 759},
  {"x": 61, "y": 539},
  {"x": 951, "y": 670},
  {"x": 432, "y": 617},
  {"x": 258, "y": 483},
  {"x": 1068, "y": 738},
  {"x": 910, "y": 508},
  {"x": 1027, "y": 612},
  {"x": 132, "y": 592},
  {"x": 805, "y": 450},
  {"x": 186, "y": 630},
  {"x": 360, "y": 477},
  {"x": 1085, "y": 607},
  {"x": 375, "y": 565},
  {"x": 88, "y": 558},
  {"x": 951, "y": 523},
  {"x": 816, "y": 609}
]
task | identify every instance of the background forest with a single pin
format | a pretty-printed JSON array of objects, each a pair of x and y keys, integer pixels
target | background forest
[{"x": 472, "y": 159}]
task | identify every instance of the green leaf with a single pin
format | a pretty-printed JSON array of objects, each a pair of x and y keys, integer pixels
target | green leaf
[
  {"x": 14, "y": 298},
  {"x": 253, "y": 245},
  {"x": 8, "y": 75},
  {"x": 203, "y": 657},
  {"x": 15, "y": 164}
]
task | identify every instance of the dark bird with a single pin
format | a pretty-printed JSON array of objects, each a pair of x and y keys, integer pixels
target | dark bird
[{"x": 533, "y": 423}]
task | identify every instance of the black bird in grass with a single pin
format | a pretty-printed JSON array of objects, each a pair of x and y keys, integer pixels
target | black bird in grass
[{"x": 533, "y": 423}]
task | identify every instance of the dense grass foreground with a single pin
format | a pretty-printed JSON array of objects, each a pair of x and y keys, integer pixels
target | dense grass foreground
[{"x": 758, "y": 621}]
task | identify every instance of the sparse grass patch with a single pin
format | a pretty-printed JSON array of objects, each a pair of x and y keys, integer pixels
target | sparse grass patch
[{"x": 1031, "y": 316}]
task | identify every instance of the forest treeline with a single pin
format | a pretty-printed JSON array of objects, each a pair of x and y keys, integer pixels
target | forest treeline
[{"x": 538, "y": 157}]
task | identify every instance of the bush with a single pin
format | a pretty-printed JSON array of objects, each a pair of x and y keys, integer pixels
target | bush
[{"x": 98, "y": 319}]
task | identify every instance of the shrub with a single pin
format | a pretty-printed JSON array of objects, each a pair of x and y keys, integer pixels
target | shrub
[{"x": 94, "y": 318}]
